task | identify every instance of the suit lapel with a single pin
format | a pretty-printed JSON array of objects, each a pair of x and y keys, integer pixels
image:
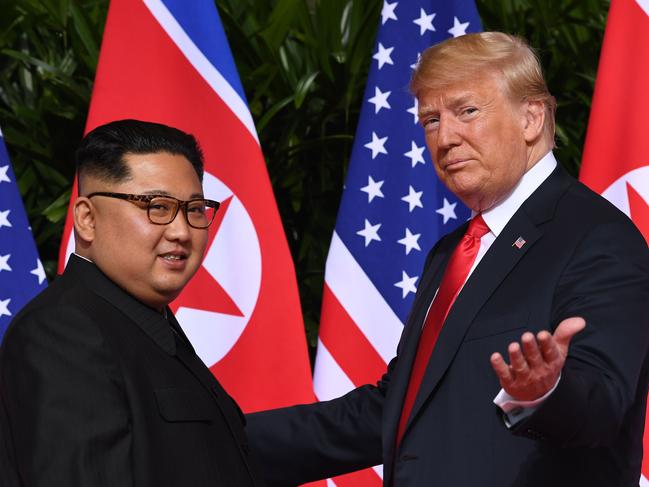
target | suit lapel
[{"x": 497, "y": 263}]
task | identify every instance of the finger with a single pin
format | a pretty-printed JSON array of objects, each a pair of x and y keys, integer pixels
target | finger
[
  {"x": 566, "y": 330},
  {"x": 531, "y": 350},
  {"x": 517, "y": 360},
  {"x": 501, "y": 369},
  {"x": 548, "y": 346}
]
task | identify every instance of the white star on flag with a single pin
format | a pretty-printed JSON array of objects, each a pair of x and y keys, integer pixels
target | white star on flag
[
  {"x": 383, "y": 56},
  {"x": 425, "y": 21},
  {"x": 387, "y": 12},
  {"x": 415, "y": 154},
  {"x": 4, "y": 218},
  {"x": 447, "y": 211},
  {"x": 3, "y": 175},
  {"x": 407, "y": 284},
  {"x": 373, "y": 189},
  {"x": 39, "y": 271},
  {"x": 458, "y": 29},
  {"x": 414, "y": 109},
  {"x": 416, "y": 63},
  {"x": 413, "y": 198},
  {"x": 4, "y": 264},
  {"x": 377, "y": 145},
  {"x": 4, "y": 307},
  {"x": 370, "y": 232},
  {"x": 380, "y": 99},
  {"x": 410, "y": 241}
]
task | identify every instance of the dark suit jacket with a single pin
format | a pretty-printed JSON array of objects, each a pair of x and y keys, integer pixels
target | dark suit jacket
[
  {"x": 581, "y": 257},
  {"x": 96, "y": 389}
]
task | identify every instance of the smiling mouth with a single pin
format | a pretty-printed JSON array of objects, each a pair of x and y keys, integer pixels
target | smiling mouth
[{"x": 173, "y": 257}]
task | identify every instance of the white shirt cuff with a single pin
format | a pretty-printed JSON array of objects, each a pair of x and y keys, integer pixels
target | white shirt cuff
[{"x": 515, "y": 410}]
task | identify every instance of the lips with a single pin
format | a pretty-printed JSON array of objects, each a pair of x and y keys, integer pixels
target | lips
[
  {"x": 175, "y": 259},
  {"x": 450, "y": 163}
]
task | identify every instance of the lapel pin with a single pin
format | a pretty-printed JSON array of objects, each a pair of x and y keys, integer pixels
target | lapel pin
[{"x": 520, "y": 241}]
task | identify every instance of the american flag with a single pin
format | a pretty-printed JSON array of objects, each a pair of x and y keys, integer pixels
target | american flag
[
  {"x": 21, "y": 273},
  {"x": 392, "y": 212}
]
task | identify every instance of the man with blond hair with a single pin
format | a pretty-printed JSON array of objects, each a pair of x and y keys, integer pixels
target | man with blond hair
[{"x": 538, "y": 304}]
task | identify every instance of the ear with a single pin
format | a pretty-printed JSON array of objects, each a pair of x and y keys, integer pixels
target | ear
[
  {"x": 534, "y": 113},
  {"x": 84, "y": 220}
]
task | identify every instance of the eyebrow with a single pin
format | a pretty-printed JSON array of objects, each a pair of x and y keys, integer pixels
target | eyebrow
[
  {"x": 455, "y": 102},
  {"x": 163, "y": 192}
]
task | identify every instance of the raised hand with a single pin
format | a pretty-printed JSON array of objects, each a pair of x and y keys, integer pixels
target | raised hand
[{"x": 535, "y": 366}]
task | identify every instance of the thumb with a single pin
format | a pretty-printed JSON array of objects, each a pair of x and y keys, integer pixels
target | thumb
[{"x": 566, "y": 330}]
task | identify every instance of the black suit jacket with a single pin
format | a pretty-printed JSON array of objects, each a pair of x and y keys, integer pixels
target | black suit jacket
[
  {"x": 97, "y": 389},
  {"x": 581, "y": 257}
]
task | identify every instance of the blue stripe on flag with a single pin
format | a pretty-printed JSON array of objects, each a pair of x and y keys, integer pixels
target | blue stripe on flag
[{"x": 200, "y": 20}]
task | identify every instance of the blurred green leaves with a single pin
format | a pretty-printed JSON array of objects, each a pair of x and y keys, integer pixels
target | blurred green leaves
[
  {"x": 48, "y": 56},
  {"x": 303, "y": 65}
]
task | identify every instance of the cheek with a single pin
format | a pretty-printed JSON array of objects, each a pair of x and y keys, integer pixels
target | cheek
[{"x": 200, "y": 239}]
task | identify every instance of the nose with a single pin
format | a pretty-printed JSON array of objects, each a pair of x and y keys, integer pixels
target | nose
[
  {"x": 178, "y": 229},
  {"x": 448, "y": 135}
]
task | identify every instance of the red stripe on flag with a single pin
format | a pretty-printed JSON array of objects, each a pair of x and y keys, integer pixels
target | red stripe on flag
[{"x": 347, "y": 343}]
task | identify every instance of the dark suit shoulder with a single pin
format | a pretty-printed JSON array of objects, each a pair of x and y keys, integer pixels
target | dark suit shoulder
[{"x": 587, "y": 206}]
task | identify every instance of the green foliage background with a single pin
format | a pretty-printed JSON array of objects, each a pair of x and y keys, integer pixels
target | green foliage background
[{"x": 303, "y": 64}]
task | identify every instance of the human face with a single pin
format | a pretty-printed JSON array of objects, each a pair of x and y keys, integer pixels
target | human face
[
  {"x": 476, "y": 136},
  {"x": 151, "y": 262}
]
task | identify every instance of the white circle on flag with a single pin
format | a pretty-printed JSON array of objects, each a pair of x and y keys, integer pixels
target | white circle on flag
[
  {"x": 617, "y": 192},
  {"x": 234, "y": 261}
]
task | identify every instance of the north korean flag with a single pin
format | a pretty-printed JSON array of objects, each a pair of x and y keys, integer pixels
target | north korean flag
[{"x": 168, "y": 61}]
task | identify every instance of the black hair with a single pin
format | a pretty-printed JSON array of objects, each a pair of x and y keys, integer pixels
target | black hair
[{"x": 101, "y": 152}]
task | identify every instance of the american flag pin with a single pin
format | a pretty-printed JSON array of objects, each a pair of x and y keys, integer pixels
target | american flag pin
[{"x": 520, "y": 241}]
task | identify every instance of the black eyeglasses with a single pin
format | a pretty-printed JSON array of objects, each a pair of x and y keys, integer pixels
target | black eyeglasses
[{"x": 162, "y": 209}]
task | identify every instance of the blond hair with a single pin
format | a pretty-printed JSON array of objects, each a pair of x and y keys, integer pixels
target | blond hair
[{"x": 474, "y": 55}]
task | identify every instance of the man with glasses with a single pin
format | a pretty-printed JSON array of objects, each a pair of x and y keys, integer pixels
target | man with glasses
[{"x": 98, "y": 383}]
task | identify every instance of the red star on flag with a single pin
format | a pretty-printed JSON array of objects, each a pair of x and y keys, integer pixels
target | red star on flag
[{"x": 203, "y": 291}]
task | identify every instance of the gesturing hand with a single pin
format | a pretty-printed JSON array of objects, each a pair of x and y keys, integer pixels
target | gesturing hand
[{"x": 534, "y": 369}]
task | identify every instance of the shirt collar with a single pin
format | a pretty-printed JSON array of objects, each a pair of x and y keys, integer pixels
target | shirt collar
[
  {"x": 499, "y": 215},
  {"x": 82, "y": 257}
]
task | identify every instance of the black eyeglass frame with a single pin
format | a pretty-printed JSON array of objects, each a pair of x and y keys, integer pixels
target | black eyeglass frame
[{"x": 147, "y": 198}]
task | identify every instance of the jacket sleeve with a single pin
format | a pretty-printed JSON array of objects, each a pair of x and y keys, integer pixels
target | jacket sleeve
[
  {"x": 606, "y": 372},
  {"x": 314, "y": 441},
  {"x": 67, "y": 414}
]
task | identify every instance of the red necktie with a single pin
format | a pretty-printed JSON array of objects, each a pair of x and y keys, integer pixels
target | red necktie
[{"x": 455, "y": 275}]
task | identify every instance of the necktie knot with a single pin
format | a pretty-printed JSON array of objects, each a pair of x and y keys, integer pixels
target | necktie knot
[{"x": 477, "y": 228}]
